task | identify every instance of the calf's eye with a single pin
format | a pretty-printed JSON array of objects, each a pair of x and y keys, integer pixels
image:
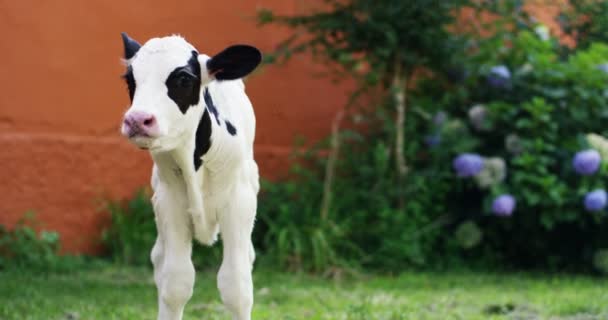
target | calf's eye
[
  {"x": 183, "y": 85},
  {"x": 185, "y": 81}
]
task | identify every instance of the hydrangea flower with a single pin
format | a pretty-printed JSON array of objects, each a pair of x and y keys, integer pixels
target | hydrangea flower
[
  {"x": 468, "y": 164},
  {"x": 477, "y": 116},
  {"x": 468, "y": 234},
  {"x": 586, "y": 162},
  {"x": 598, "y": 143},
  {"x": 513, "y": 144},
  {"x": 503, "y": 205},
  {"x": 499, "y": 76},
  {"x": 525, "y": 69},
  {"x": 596, "y": 200},
  {"x": 494, "y": 171},
  {"x": 542, "y": 32},
  {"x": 432, "y": 140},
  {"x": 603, "y": 67}
]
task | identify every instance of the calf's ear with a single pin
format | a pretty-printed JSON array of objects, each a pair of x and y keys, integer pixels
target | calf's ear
[
  {"x": 233, "y": 62},
  {"x": 131, "y": 46}
]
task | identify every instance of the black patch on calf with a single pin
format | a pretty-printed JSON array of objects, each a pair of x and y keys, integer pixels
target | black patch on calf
[
  {"x": 211, "y": 105},
  {"x": 231, "y": 129},
  {"x": 203, "y": 139},
  {"x": 130, "y": 80},
  {"x": 184, "y": 84}
]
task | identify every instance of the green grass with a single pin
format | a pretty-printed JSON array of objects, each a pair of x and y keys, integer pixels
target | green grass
[{"x": 123, "y": 293}]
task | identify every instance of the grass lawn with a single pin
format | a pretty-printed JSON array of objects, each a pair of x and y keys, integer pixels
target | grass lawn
[{"x": 122, "y": 293}]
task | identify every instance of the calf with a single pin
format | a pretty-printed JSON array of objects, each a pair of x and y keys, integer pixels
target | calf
[{"x": 190, "y": 111}]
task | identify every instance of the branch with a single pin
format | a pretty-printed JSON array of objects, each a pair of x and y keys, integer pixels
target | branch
[
  {"x": 330, "y": 167},
  {"x": 399, "y": 94}
]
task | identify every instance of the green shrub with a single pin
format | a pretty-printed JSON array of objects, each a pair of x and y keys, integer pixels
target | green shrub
[
  {"x": 378, "y": 211},
  {"x": 132, "y": 232},
  {"x": 546, "y": 107},
  {"x": 23, "y": 248},
  {"x": 365, "y": 226},
  {"x": 515, "y": 97},
  {"x": 290, "y": 232}
]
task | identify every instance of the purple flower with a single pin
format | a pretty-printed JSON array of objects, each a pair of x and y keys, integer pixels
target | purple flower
[
  {"x": 432, "y": 140},
  {"x": 596, "y": 200},
  {"x": 499, "y": 76},
  {"x": 468, "y": 164},
  {"x": 586, "y": 162},
  {"x": 503, "y": 205}
]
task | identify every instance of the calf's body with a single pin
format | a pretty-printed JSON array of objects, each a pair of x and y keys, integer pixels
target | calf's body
[{"x": 191, "y": 112}]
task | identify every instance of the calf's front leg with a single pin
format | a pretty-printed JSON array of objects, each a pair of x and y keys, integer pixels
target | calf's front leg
[
  {"x": 205, "y": 229},
  {"x": 173, "y": 270},
  {"x": 234, "y": 278}
]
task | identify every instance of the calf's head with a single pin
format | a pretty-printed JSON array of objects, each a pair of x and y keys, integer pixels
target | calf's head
[{"x": 165, "y": 78}]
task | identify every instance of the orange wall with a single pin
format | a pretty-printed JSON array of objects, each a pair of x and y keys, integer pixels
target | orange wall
[{"x": 62, "y": 101}]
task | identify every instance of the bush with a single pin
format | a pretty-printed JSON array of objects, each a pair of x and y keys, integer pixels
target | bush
[
  {"x": 132, "y": 232},
  {"x": 377, "y": 212},
  {"x": 290, "y": 232},
  {"x": 535, "y": 120},
  {"x": 24, "y": 248},
  {"x": 490, "y": 146}
]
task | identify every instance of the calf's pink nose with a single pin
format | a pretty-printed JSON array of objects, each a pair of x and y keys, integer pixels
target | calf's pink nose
[{"x": 140, "y": 123}]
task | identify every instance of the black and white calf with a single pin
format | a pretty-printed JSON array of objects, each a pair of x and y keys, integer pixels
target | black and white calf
[{"x": 192, "y": 114}]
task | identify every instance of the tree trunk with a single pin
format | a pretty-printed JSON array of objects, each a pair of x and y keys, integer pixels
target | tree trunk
[
  {"x": 399, "y": 91},
  {"x": 330, "y": 167}
]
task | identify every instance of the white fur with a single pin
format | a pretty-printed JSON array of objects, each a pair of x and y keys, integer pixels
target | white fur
[{"x": 221, "y": 197}]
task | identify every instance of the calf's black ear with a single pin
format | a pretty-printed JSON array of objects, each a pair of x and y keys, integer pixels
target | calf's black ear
[
  {"x": 131, "y": 46},
  {"x": 234, "y": 62}
]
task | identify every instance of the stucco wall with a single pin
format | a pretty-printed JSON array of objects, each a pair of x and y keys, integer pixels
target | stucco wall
[{"x": 62, "y": 101}]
